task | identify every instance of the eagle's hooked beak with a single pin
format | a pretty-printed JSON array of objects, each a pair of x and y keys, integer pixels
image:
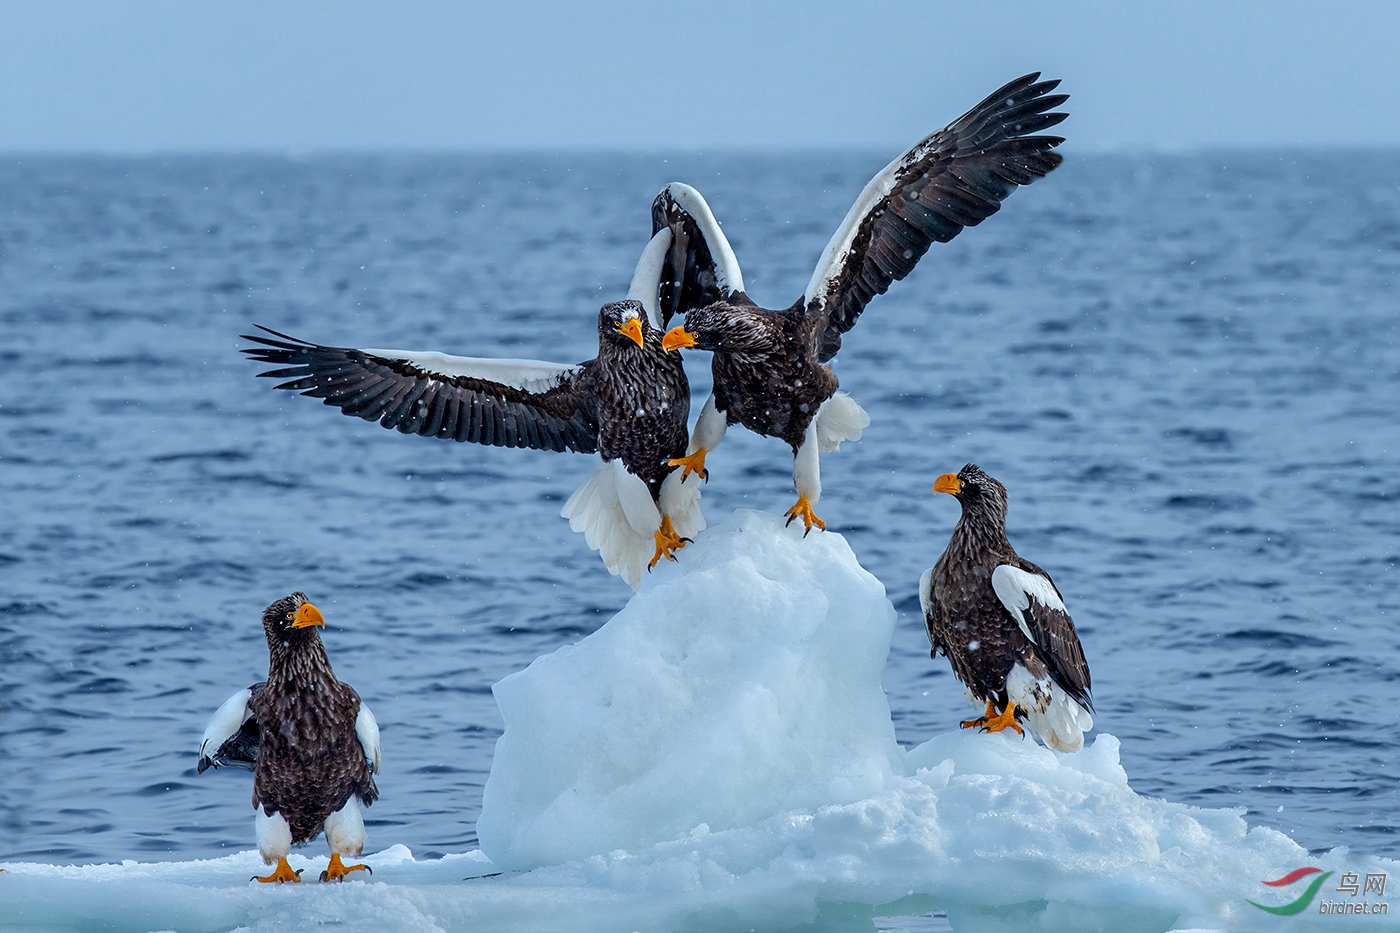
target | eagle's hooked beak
[
  {"x": 677, "y": 338},
  {"x": 307, "y": 616},
  {"x": 632, "y": 329},
  {"x": 948, "y": 483}
]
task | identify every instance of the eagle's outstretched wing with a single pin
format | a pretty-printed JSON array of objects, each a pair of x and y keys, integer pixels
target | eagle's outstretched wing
[
  {"x": 955, "y": 178},
  {"x": 500, "y": 403}
]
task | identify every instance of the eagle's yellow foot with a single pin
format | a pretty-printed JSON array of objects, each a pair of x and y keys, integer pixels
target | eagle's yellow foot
[
  {"x": 337, "y": 870},
  {"x": 803, "y": 508},
  {"x": 980, "y": 720},
  {"x": 695, "y": 463},
  {"x": 667, "y": 542},
  {"x": 282, "y": 874},
  {"x": 1006, "y": 719}
]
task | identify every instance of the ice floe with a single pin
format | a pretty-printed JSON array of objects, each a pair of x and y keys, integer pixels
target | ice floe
[{"x": 719, "y": 756}]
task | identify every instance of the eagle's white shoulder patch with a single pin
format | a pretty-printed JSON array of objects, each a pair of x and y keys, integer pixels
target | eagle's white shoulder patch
[
  {"x": 527, "y": 375},
  {"x": 227, "y": 720},
  {"x": 926, "y": 591},
  {"x": 646, "y": 280},
  {"x": 1016, "y": 588},
  {"x": 367, "y": 730},
  {"x": 838, "y": 248}
]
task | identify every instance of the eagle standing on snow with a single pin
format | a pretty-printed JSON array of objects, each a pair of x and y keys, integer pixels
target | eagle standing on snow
[
  {"x": 630, "y": 405},
  {"x": 312, "y": 746},
  {"x": 1003, "y": 625},
  {"x": 770, "y": 372}
]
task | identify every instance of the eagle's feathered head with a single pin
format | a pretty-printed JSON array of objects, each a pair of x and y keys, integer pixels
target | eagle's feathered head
[
  {"x": 724, "y": 327},
  {"x": 977, "y": 491},
  {"x": 624, "y": 324},
  {"x": 292, "y": 620}
]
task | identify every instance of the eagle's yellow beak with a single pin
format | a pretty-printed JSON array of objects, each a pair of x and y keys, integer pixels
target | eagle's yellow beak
[
  {"x": 677, "y": 338},
  {"x": 632, "y": 329},
  {"x": 307, "y": 616},
  {"x": 948, "y": 483}
]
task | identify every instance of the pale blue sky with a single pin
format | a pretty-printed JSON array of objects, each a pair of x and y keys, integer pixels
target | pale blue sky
[{"x": 182, "y": 75}]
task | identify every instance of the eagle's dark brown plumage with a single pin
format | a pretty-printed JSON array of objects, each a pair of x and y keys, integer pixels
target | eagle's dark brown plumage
[
  {"x": 1002, "y": 624},
  {"x": 770, "y": 371},
  {"x": 310, "y": 742}
]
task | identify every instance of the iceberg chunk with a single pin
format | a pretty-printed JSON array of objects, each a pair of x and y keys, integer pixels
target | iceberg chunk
[{"x": 740, "y": 682}]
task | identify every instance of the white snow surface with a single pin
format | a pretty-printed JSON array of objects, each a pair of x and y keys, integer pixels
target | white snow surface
[{"x": 719, "y": 756}]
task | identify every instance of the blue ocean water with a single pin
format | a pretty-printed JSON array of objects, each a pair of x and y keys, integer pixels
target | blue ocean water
[{"x": 1184, "y": 368}]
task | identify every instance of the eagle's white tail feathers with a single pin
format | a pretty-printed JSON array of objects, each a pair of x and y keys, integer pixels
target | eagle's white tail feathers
[
  {"x": 681, "y": 501},
  {"x": 1063, "y": 723},
  {"x": 840, "y": 419},
  {"x": 1050, "y": 712},
  {"x": 637, "y": 504},
  {"x": 618, "y": 519}
]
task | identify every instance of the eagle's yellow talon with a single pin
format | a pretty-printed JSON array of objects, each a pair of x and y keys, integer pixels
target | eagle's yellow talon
[
  {"x": 667, "y": 542},
  {"x": 282, "y": 874},
  {"x": 980, "y": 720},
  {"x": 1006, "y": 719},
  {"x": 803, "y": 509},
  {"x": 695, "y": 463},
  {"x": 337, "y": 870}
]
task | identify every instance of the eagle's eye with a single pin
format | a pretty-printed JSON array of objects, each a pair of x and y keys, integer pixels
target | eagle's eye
[{"x": 289, "y": 617}]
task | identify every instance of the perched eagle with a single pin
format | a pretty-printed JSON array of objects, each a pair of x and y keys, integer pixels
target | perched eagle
[
  {"x": 630, "y": 404},
  {"x": 1003, "y": 625},
  {"x": 312, "y": 746},
  {"x": 770, "y": 372}
]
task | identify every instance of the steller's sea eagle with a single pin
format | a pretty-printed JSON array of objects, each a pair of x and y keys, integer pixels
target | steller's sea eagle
[
  {"x": 312, "y": 745},
  {"x": 1003, "y": 625},
  {"x": 769, "y": 366}
]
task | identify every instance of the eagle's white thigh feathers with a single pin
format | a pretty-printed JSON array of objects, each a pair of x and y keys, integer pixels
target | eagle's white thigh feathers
[
  {"x": 709, "y": 428},
  {"x": 227, "y": 720},
  {"x": 839, "y": 419},
  {"x": 1050, "y": 712},
  {"x": 618, "y": 518},
  {"x": 1016, "y": 588},
  {"x": 274, "y": 835},
  {"x": 681, "y": 501},
  {"x": 806, "y": 466},
  {"x": 367, "y": 730},
  {"x": 345, "y": 829}
]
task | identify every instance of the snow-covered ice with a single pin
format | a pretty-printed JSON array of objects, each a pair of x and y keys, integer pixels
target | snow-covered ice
[
  {"x": 719, "y": 756},
  {"x": 741, "y": 681}
]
